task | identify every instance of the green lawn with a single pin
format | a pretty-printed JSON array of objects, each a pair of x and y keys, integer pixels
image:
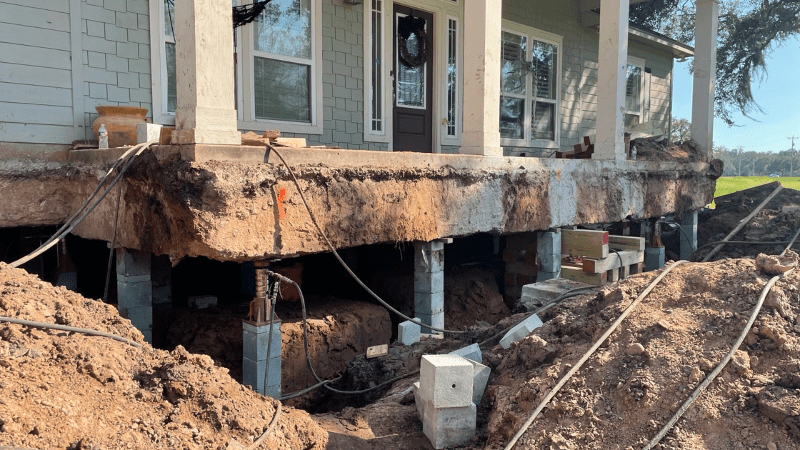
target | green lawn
[{"x": 727, "y": 185}]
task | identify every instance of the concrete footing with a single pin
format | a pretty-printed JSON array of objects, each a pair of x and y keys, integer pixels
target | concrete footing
[
  {"x": 135, "y": 289},
  {"x": 688, "y": 233},
  {"x": 255, "y": 365},
  {"x": 444, "y": 398},
  {"x": 429, "y": 284},
  {"x": 653, "y": 258},
  {"x": 548, "y": 255}
]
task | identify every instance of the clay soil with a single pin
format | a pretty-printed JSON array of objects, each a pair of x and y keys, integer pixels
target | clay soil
[{"x": 61, "y": 390}]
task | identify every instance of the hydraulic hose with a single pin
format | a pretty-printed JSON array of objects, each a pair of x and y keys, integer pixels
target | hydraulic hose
[{"x": 53, "y": 326}]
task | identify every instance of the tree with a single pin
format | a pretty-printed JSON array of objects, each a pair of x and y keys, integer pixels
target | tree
[
  {"x": 681, "y": 130},
  {"x": 748, "y": 31}
]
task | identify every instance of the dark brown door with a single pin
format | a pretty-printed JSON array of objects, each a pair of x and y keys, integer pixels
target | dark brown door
[{"x": 413, "y": 85}]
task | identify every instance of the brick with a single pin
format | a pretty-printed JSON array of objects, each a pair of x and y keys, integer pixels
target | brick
[
  {"x": 449, "y": 427},
  {"x": 521, "y": 330},
  {"x": 408, "y": 333},
  {"x": 446, "y": 381}
]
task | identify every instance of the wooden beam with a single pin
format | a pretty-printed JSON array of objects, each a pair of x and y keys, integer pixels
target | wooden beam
[
  {"x": 625, "y": 258},
  {"x": 593, "y": 244},
  {"x": 576, "y": 274},
  {"x": 626, "y": 243}
]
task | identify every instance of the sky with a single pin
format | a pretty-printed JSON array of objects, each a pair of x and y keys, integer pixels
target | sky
[{"x": 778, "y": 94}]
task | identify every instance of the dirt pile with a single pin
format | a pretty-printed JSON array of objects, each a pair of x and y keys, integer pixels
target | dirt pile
[
  {"x": 650, "y": 149},
  {"x": 635, "y": 382},
  {"x": 777, "y": 222},
  {"x": 69, "y": 390}
]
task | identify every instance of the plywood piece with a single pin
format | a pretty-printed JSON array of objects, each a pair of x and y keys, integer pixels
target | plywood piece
[
  {"x": 291, "y": 142},
  {"x": 377, "y": 350},
  {"x": 254, "y": 139},
  {"x": 625, "y": 258},
  {"x": 593, "y": 244},
  {"x": 576, "y": 274},
  {"x": 272, "y": 134},
  {"x": 626, "y": 243},
  {"x": 166, "y": 136}
]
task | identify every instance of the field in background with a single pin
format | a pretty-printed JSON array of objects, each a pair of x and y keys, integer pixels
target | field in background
[{"x": 727, "y": 185}]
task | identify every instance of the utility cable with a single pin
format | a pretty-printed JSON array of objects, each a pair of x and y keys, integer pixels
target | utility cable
[
  {"x": 344, "y": 265},
  {"x": 589, "y": 353},
  {"x": 53, "y": 326},
  {"x": 699, "y": 390},
  {"x": 269, "y": 429},
  {"x": 113, "y": 247},
  {"x": 67, "y": 228}
]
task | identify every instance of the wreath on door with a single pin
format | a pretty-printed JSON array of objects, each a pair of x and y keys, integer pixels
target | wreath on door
[{"x": 406, "y": 27}]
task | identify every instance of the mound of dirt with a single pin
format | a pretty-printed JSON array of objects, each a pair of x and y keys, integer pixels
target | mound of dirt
[
  {"x": 651, "y": 364},
  {"x": 650, "y": 149},
  {"x": 69, "y": 390}
]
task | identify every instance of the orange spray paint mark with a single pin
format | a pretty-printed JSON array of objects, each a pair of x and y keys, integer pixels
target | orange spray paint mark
[
  {"x": 559, "y": 174},
  {"x": 281, "y": 198}
]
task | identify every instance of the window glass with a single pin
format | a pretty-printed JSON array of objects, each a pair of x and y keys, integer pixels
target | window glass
[
  {"x": 377, "y": 73},
  {"x": 633, "y": 89},
  {"x": 543, "y": 65},
  {"x": 452, "y": 76},
  {"x": 543, "y": 124},
  {"x": 411, "y": 80},
  {"x": 513, "y": 67},
  {"x": 172, "y": 92},
  {"x": 284, "y": 28},
  {"x": 169, "y": 17},
  {"x": 512, "y": 118},
  {"x": 282, "y": 90}
]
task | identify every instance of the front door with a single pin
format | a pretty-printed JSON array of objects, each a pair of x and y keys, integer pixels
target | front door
[{"x": 413, "y": 69}]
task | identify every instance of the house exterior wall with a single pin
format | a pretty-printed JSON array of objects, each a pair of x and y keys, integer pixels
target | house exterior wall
[{"x": 579, "y": 55}]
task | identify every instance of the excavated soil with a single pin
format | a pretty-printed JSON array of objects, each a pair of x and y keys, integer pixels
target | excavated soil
[
  {"x": 653, "y": 150},
  {"x": 61, "y": 390}
]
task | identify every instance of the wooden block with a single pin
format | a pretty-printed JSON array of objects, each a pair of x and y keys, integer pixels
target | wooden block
[
  {"x": 587, "y": 140},
  {"x": 166, "y": 136},
  {"x": 272, "y": 134},
  {"x": 625, "y": 258},
  {"x": 576, "y": 274},
  {"x": 613, "y": 275},
  {"x": 636, "y": 268},
  {"x": 577, "y": 148},
  {"x": 625, "y": 272},
  {"x": 253, "y": 139},
  {"x": 593, "y": 244},
  {"x": 291, "y": 142},
  {"x": 377, "y": 350},
  {"x": 626, "y": 243}
]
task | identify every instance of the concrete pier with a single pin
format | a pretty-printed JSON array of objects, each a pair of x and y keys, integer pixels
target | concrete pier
[{"x": 135, "y": 289}]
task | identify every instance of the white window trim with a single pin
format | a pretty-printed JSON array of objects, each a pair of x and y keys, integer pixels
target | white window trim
[
  {"x": 640, "y": 63},
  {"x": 244, "y": 75},
  {"x": 446, "y": 139},
  {"x": 385, "y": 135},
  {"x": 549, "y": 38}
]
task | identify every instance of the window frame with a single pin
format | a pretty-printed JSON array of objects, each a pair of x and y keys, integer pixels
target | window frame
[
  {"x": 454, "y": 139},
  {"x": 533, "y": 34},
  {"x": 640, "y": 63},
  {"x": 245, "y": 98}
]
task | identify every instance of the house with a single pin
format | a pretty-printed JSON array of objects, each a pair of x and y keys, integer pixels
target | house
[{"x": 497, "y": 80}]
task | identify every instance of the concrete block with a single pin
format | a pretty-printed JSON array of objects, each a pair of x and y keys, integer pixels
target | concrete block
[
  {"x": 419, "y": 401},
  {"x": 408, "y": 333},
  {"x": 541, "y": 293},
  {"x": 448, "y": 427},
  {"x": 434, "y": 320},
  {"x": 146, "y": 132},
  {"x": 521, "y": 330},
  {"x": 135, "y": 294},
  {"x": 132, "y": 262},
  {"x": 544, "y": 276},
  {"x": 253, "y": 373},
  {"x": 480, "y": 378},
  {"x": 428, "y": 282},
  {"x": 471, "y": 352},
  {"x": 428, "y": 303},
  {"x": 653, "y": 258},
  {"x": 446, "y": 381},
  {"x": 548, "y": 251},
  {"x": 256, "y": 338},
  {"x": 427, "y": 260},
  {"x": 141, "y": 317}
]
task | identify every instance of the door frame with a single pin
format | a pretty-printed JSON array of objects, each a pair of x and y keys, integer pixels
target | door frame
[{"x": 441, "y": 10}]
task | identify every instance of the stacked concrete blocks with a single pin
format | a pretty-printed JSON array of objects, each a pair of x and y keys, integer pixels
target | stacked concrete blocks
[
  {"x": 429, "y": 284},
  {"x": 135, "y": 290},
  {"x": 408, "y": 332},
  {"x": 521, "y": 330},
  {"x": 444, "y": 400},
  {"x": 548, "y": 251},
  {"x": 255, "y": 365}
]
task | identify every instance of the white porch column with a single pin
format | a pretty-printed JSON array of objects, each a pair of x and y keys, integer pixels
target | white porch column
[
  {"x": 205, "y": 113},
  {"x": 705, "y": 73},
  {"x": 613, "y": 64},
  {"x": 481, "y": 135}
]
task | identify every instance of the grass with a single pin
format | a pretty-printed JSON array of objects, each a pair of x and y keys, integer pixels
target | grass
[{"x": 727, "y": 185}]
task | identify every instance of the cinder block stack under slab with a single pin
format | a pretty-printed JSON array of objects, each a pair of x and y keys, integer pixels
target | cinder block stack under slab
[{"x": 444, "y": 400}]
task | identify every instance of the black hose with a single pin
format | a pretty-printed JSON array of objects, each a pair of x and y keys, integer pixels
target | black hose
[{"x": 53, "y": 326}]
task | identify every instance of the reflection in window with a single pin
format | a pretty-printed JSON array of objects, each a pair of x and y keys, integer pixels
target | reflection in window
[
  {"x": 633, "y": 95},
  {"x": 411, "y": 80},
  {"x": 529, "y": 88},
  {"x": 172, "y": 91},
  {"x": 376, "y": 99},
  {"x": 452, "y": 76},
  {"x": 282, "y": 61}
]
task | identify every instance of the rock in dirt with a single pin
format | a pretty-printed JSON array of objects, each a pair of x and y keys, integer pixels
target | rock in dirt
[
  {"x": 86, "y": 392},
  {"x": 776, "y": 265},
  {"x": 634, "y": 349}
]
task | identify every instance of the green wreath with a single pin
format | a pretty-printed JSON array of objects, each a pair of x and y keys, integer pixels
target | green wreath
[{"x": 408, "y": 26}]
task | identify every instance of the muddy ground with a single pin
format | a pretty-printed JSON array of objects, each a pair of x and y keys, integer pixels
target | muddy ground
[{"x": 61, "y": 390}]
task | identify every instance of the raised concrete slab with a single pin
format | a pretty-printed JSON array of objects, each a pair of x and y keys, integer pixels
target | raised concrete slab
[
  {"x": 446, "y": 381},
  {"x": 541, "y": 293},
  {"x": 521, "y": 330}
]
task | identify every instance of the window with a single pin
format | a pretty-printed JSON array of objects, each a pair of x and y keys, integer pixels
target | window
[
  {"x": 171, "y": 95},
  {"x": 633, "y": 92},
  {"x": 452, "y": 78},
  {"x": 529, "y": 89},
  {"x": 282, "y": 61},
  {"x": 376, "y": 85}
]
